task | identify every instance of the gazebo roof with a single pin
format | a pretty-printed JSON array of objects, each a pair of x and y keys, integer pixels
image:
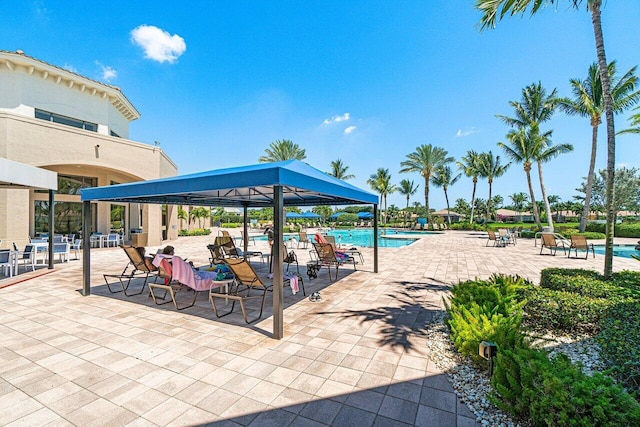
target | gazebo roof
[{"x": 250, "y": 186}]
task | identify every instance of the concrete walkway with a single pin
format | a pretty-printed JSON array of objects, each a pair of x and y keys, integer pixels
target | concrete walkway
[{"x": 359, "y": 357}]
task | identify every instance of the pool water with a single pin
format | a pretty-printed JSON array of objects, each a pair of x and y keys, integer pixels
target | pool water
[
  {"x": 624, "y": 251},
  {"x": 364, "y": 238}
]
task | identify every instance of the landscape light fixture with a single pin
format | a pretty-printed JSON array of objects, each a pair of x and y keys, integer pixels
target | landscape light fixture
[{"x": 488, "y": 351}]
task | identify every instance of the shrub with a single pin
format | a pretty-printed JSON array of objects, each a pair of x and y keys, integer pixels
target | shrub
[
  {"x": 626, "y": 229},
  {"x": 229, "y": 225},
  {"x": 556, "y": 392},
  {"x": 591, "y": 235},
  {"x": 567, "y": 311},
  {"x": 195, "y": 232},
  {"x": 620, "y": 343}
]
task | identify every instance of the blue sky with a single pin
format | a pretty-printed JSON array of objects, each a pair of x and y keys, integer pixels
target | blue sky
[{"x": 366, "y": 82}]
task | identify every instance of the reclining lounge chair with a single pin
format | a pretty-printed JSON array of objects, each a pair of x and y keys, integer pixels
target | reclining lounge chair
[{"x": 138, "y": 266}]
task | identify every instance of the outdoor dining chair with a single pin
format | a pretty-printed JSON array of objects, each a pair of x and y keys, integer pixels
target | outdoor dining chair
[{"x": 579, "y": 242}]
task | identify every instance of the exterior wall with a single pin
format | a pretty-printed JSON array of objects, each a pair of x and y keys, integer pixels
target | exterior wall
[{"x": 27, "y": 84}]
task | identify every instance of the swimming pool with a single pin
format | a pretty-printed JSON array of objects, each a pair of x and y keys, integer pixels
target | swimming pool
[
  {"x": 364, "y": 237},
  {"x": 623, "y": 251}
]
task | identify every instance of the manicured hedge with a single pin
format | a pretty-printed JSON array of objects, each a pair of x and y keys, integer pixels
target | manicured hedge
[
  {"x": 195, "y": 232},
  {"x": 626, "y": 229}
]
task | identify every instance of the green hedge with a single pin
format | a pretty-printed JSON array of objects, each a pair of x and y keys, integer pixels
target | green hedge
[
  {"x": 626, "y": 229},
  {"x": 526, "y": 382},
  {"x": 195, "y": 232}
]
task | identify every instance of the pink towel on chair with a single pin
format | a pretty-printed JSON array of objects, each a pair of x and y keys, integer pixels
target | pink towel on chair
[
  {"x": 293, "y": 282},
  {"x": 184, "y": 273}
]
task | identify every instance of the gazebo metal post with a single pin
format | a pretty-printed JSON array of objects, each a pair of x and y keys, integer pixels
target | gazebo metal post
[
  {"x": 86, "y": 248},
  {"x": 375, "y": 238},
  {"x": 276, "y": 258},
  {"x": 51, "y": 225},
  {"x": 245, "y": 241}
]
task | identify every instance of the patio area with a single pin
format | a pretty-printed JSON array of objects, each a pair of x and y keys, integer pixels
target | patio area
[{"x": 358, "y": 357}]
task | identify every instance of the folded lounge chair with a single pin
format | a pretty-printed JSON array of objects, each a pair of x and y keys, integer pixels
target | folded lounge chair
[
  {"x": 580, "y": 242},
  {"x": 138, "y": 266}
]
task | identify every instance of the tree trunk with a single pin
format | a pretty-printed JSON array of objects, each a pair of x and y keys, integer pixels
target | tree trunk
[
  {"x": 488, "y": 214},
  {"x": 427, "y": 177},
  {"x": 611, "y": 136},
  {"x": 534, "y": 207},
  {"x": 547, "y": 207},
  {"x": 446, "y": 197},
  {"x": 589, "y": 189},
  {"x": 473, "y": 198}
]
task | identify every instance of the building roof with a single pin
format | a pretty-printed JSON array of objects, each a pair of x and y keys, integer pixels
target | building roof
[
  {"x": 250, "y": 186},
  {"x": 20, "y": 60},
  {"x": 21, "y": 176},
  {"x": 443, "y": 212}
]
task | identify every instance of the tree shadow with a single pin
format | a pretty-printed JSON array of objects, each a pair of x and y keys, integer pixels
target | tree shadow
[{"x": 407, "y": 320}]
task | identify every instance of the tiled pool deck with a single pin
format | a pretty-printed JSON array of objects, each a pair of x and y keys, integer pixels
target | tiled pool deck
[{"x": 359, "y": 357}]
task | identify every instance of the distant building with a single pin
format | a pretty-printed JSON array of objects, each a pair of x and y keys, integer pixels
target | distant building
[
  {"x": 455, "y": 217},
  {"x": 58, "y": 120}
]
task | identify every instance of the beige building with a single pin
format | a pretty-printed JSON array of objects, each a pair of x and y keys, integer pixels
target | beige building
[{"x": 58, "y": 120}]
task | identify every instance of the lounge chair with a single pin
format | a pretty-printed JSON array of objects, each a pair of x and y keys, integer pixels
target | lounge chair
[
  {"x": 246, "y": 280},
  {"x": 249, "y": 238},
  {"x": 497, "y": 240},
  {"x": 183, "y": 275},
  {"x": 580, "y": 242},
  {"x": 325, "y": 255},
  {"x": 552, "y": 242},
  {"x": 138, "y": 266},
  {"x": 303, "y": 238},
  {"x": 290, "y": 258},
  {"x": 224, "y": 247}
]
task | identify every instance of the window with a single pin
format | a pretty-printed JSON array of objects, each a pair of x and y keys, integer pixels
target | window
[
  {"x": 64, "y": 120},
  {"x": 67, "y": 217},
  {"x": 118, "y": 224},
  {"x": 70, "y": 184}
]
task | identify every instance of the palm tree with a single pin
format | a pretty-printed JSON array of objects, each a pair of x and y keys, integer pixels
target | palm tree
[
  {"x": 490, "y": 168},
  {"x": 425, "y": 160},
  {"x": 407, "y": 188},
  {"x": 182, "y": 215},
  {"x": 519, "y": 200},
  {"x": 443, "y": 178},
  {"x": 381, "y": 182},
  {"x": 535, "y": 108},
  {"x": 281, "y": 150},
  {"x": 494, "y": 10},
  {"x": 523, "y": 147},
  {"x": 554, "y": 202},
  {"x": 339, "y": 170},
  {"x": 470, "y": 165},
  {"x": 634, "y": 123},
  {"x": 588, "y": 102}
]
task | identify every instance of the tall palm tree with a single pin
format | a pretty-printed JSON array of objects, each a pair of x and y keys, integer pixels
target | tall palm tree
[
  {"x": 407, "y": 188},
  {"x": 425, "y": 160},
  {"x": 470, "y": 166},
  {"x": 490, "y": 168},
  {"x": 495, "y": 10},
  {"x": 339, "y": 170},
  {"x": 522, "y": 147},
  {"x": 547, "y": 153},
  {"x": 588, "y": 102},
  {"x": 634, "y": 121},
  {"x": 531, "y": 111},
  {"x": 381, "y": 182},
  {"x": 282, "y": 149},
  {"x": 444, "y": 178}
]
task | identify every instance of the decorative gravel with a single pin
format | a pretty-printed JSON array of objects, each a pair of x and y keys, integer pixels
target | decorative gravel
[{"x": 473, "y": 385}]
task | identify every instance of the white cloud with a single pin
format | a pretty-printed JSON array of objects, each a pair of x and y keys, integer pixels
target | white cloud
[
  {"x": 462, "y": 133},
  {"x": 108, "y": 73},
  {"x": 337, "y": 119},
  {"x": 158, "y": 44},
  {"x": 349, "y": 129}
]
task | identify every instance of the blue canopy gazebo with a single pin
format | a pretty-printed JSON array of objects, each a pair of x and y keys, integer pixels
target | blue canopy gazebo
[
  {"x": 365, "y": 215},
  {"x": 288, "y": 183},
  {"x": 310, "y": 215},
  {"x": 293, "y": 215}
]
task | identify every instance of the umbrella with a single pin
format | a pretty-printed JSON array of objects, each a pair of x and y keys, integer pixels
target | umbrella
[
  {"x": 293, "y": 215},
  {"x": 337, "y": 214},
  {"x": 365, "y": 215},
  {"x": 309, "y": 214}
]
